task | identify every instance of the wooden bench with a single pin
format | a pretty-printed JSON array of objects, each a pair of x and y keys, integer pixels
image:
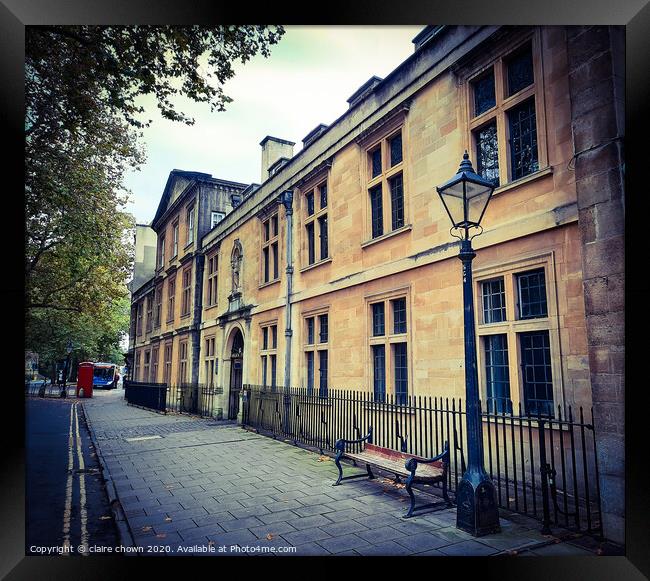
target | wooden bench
[{"x": 415, "y": 468}]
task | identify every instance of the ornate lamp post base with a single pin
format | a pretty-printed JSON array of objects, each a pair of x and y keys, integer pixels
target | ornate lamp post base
[{"x": 477, "y": 512}]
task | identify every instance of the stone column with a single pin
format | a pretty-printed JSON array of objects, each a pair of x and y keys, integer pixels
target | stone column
[{"x": 596, "y": 87}]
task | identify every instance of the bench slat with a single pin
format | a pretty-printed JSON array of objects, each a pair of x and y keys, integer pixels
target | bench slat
[{"x": 395, "y": 464}]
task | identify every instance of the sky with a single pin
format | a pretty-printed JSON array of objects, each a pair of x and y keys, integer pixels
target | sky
[{"x": 305, "y": 81}]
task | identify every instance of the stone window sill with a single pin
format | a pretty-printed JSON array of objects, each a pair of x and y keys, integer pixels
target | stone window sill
[
  {"x": 386, "y": 236},
  {"x": 526, "y": 179},
  {"x": 316, "y": 264},
  {"x": 270, "y": 283}
]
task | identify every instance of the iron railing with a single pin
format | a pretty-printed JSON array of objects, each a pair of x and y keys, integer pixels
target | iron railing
[
  {"x": 48, "y": 389},
  {"x": 193, "y": 399},
  {"x": 542, "y": 466},
  {"x": 148, "y": 395}
]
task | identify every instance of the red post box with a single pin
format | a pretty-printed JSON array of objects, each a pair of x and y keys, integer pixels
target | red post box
[{"x": 85, "y": 374}]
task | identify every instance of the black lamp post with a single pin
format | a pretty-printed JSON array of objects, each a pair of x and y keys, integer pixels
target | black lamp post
[{"x": 465, "y": 197}]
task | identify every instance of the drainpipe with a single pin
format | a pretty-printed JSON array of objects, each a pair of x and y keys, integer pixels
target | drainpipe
[
  {"x": 286, "y": 199},
  {"x": 195, "y": 328}
]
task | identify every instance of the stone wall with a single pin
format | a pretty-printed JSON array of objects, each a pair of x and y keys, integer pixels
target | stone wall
[{"x": 596, "y": 83}]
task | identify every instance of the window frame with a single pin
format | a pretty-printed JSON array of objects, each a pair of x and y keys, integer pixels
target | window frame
[
  {"x": 382, "y": 181},
  {"x": 388, "y": 340},
  {"x": 161, "y": 252},
  {"x": 149, "y": 299},
  {"x": 190, "y": 224},
  {"x": 315, "y": 348},
  {"x": 513, "y": 326},
  {"x": 175, "y": 239},
  {"x": 315, "y": 221},
  {"x": 214, "y": 214},
  {"x": 186, "y": 292},
  {"x": 136, "y": 365},
  {"x": 270, "y": 258},
  {"x": 269, "y": 354},
  {"x": 171, "y": 298},
  {"x": 155, "y": 355},
  {"x": 212, "y": 280},
  {"x": 183, "y": 357},
  {"x": 505, "y": 103},
  {"x": 168, "y": 354},
  {"x": 138, "y": 325},
  {"x": 146, "y": 365},
  {"x": 209, "y": 359},
  {"x": 158, "y": 306}
]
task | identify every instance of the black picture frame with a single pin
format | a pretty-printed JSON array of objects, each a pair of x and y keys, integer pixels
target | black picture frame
[{"x": 634, "y": 14}]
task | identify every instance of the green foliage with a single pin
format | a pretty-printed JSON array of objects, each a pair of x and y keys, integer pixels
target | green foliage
[
  {"x": 81, "y": 136},
  {"x": 95, "y": 337},
  {"x": 75, "y": 73}
]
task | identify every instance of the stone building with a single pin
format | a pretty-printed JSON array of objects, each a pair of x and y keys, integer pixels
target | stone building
[
  {"x": 166, "y": 309},
  {"x": 339, "y": 270}
]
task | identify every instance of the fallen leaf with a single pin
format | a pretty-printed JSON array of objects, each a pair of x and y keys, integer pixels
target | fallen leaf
[
  {"x": 161, "y": 535},
  {"x": 168, "y": 519},
  {"x": 269, "y": 537},
  {"x": 323, "y": 458},
  {"x": 145, "y": 529},
  {"x": 105, "y": 517}
]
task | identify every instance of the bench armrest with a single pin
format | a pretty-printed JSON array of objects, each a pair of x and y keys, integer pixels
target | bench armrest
[
  {"x": 412, "y": 463},
  {"x": 340, "y": 444}
]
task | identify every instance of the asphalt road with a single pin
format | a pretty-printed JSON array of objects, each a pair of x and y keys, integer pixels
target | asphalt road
[{"x": 66, "y": 500}]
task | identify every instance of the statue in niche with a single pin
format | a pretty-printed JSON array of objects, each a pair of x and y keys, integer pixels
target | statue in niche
[{"x": 235, "y": 263}]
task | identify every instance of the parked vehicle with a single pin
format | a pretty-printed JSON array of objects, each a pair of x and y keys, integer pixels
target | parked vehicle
[{"x": 105, "y": 375}]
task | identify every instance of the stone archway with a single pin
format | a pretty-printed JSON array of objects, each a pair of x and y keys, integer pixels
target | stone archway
[{"x": 236, "y": 371}]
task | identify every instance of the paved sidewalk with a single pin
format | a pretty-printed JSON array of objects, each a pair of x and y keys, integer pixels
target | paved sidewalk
[{"x": 189, "y": 485}]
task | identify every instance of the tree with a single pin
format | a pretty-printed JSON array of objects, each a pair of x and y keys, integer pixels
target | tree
[{"x": 81, "y": 135}]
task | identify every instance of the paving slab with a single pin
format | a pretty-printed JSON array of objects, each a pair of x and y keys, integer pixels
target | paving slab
[
  {"x": 381, "y": 534},
  {"x": 467, "y": 549},
  {"x": 307, "y": 522},
  {"x": 421, "y": 542},
  {"x": 389, "y": 548},
  {"x": 306, "y": 536},
  {"x": 342, "y": 544}
]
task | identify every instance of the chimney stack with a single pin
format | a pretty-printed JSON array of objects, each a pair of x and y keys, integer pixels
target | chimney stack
[{"x": 274, "y": 148}]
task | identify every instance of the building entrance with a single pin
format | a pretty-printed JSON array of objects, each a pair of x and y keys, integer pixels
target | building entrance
[{"x": 236, "y": 366}]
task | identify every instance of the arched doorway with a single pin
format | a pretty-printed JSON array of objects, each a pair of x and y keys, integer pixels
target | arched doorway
[{"x": 236, "y": 368}]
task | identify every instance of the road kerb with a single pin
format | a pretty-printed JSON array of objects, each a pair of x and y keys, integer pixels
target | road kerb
[{"x": 123, "y": 528}]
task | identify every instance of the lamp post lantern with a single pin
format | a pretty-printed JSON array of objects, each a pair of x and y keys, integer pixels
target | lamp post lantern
[{"x": 465, "y": 198}]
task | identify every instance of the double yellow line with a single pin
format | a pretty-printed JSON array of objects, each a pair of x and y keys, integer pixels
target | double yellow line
[{"x": 74, "y": 443}]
